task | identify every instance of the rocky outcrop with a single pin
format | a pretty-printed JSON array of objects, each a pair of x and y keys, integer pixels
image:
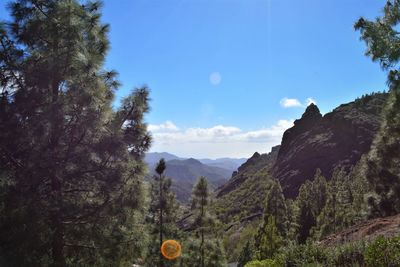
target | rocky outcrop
[{"x": 339, "y": 138}]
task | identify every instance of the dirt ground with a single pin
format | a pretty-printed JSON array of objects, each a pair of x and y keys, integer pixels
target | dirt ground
[{"x": 368, "y": 230}]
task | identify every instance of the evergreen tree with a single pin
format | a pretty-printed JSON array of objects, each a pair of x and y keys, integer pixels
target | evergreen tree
[
  {"x": 71, "y": 165},
  {"x": 311, "y": 200},
  {"x": 200, "y": 201},
  {"x": 293, "y": 226},
  {"x": 205, "y": 223},
  {"x": 267, "y": 240},
  {"x": 383, "y": 168},
  {"x": 335, "y": 211},
  {"x": 161, "y": 216},
  {"x": 214, "y": 255},
  {"x": 246, "y": 254},
  {"x": 360, "y": 188},
  {"x": 319, "y": 188},
  {"x": 276, "y": 207}
]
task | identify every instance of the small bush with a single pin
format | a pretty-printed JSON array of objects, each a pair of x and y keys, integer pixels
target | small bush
[
  {"x": 264, "y": 263},
  {"x": 305, "y": 255},
  {"x": 383, "y": 252},
  {"x": 348, "y": 255}
]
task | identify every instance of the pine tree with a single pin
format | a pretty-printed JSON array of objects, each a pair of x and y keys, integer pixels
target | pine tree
[
  {"x": 383, "y": 168},
  {"x": 72, "y": 166},
  {"x": 311, "y": 200},
  {"x": 246, "y": 254},
  {"x": 293, "y": 226},
  {"x": 214, "y": 255},
  {"x": 276, "y": 207},
  {"x": 267, "y": 240},
  {"x": 319, "y": 192},
  {"x": 335, "y": 209},
  {"x": 200, "y": 200},
  {"x": 161, "y": 216}
]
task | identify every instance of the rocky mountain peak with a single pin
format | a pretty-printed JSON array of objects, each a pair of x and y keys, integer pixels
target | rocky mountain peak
[
  {"x": 312, "y": 112},
  {"x": 338, "y": 139}
]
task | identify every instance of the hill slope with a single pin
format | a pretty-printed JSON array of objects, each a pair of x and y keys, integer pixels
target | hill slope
[
  {"x": 368, "y": 230},
  {"x": 243, "y": 195},
  {"x": 184, "y": 174}
]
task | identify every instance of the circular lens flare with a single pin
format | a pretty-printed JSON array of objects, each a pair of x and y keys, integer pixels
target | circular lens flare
[{"x": 170, "y": 249}]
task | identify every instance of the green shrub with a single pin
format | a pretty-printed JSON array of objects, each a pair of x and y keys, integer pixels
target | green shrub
[
  {"x": 383, "y": 252},
  {"x": 264, "y": 263},
  {"x": 305, "y": 255},
  {"x": 348, "y": 255}
]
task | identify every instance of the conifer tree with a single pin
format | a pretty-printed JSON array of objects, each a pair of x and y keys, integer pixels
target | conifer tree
[
  {"x": 383, "y": 168},
  {"x": 214, "y": 255},
  {"x": 311, "y": 200},
  {"x": 293, "y": 226},
  {"x": 267, "y": 240},
  {"x": 336, "y": 207},
  {"x": 161, "y": 217},
  {"x": 200, "y": 200},
  {"x": 71, "y": 165},
  {"x": 276, "y": 207},
  {"x": 246, "y": 254}
]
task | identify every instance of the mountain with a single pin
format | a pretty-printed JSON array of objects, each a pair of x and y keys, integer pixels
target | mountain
[
  {"x": 230, "y": 164},
  {"x": 243, "y": 195},
  {"x": 337, "y": 139},
  {"x": 226, "y": 163},
  {"x": 153, "y": 157},
  {"x": 184, "y": 174}
]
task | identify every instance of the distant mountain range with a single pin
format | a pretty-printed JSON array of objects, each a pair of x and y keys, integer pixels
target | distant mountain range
[
  {"x": 230, "y": 164},
  {"x": 184, "y": 172}
]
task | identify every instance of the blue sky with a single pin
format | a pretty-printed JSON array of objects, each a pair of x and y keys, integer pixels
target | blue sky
[{"x": 228, "y": 76}]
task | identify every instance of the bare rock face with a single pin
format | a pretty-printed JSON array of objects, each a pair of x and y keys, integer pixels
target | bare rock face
[{"x": 338, "y": 138}]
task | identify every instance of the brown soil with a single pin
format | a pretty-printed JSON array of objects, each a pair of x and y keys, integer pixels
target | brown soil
[{"x": 368, "y": 230}]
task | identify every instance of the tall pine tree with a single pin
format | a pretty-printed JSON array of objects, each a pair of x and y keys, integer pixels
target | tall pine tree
[
  {"x": 276, "y": 206},
  {"x": 311, "y": 200},
  {"x": 383, "y": 168},
  {"x": 200, "y": 201},
  {"x": 71, "y": 166},
  {"x": 161, "y": 216}
]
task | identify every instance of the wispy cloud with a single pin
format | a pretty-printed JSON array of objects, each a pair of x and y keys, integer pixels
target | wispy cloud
[
  {"x": 310, "y": 100},
  {"x": 293, "y": 102},
  {"x": 217, "y": 141},
  {"x": 290, "y": 102},
  {"x": 168, "y": 126}
]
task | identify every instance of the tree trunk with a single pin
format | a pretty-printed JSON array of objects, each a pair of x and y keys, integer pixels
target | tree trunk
[
  {"x": 161, "y": 220},
  {"x": 56, "y": 186},
  {"x": 202, "y": 231}
]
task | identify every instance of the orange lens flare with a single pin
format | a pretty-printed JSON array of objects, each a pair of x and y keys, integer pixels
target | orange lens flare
[{"x": 171, "y": 249}]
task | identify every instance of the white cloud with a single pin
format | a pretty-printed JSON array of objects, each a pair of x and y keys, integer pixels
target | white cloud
[
  {"x": 167, "y": 126},
  {"x": 218, "y": 141},
  {"x": 215, "y": 78},
  {"x": 290, "y": 102},
  {"x": 293, "y": 102},
  {"x": 310, "y": 100}
]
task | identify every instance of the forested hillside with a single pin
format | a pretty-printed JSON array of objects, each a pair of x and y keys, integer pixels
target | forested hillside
[{"x": 184, "y": 174}]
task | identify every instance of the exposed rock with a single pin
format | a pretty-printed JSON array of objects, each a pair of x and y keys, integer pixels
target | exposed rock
[{"x": 337, "y": 139}]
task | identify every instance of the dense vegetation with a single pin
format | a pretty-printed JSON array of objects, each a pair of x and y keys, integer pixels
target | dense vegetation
[{"x": 72, "y": 185}]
